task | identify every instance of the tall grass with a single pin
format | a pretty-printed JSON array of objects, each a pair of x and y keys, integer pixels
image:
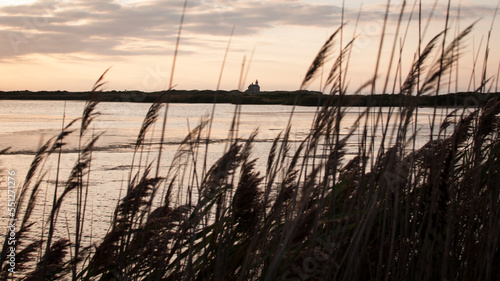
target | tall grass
[{"x": 394, "y": 211}]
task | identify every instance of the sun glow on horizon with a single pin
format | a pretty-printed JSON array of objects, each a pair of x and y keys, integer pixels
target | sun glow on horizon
[{"x": 67, "y": 46}]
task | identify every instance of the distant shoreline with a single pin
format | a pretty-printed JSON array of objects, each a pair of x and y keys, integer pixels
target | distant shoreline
[{"x": 300, "y": 98}]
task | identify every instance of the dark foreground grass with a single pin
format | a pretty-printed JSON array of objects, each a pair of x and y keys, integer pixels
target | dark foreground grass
[{"x": 392, "y": 212}]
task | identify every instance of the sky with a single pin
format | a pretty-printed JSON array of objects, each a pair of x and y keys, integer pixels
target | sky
[{"x": 68, "y": 44}]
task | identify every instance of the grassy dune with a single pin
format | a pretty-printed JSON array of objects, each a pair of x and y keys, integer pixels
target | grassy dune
[
  {"x": 398, "y": 212},
  {"x": 299, "y": 98}
]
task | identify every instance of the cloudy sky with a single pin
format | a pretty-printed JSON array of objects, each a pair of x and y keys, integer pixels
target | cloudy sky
[{"x": 67, "y": 44}]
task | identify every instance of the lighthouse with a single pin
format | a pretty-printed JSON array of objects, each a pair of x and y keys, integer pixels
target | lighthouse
[{"x": 253, "y": 88}]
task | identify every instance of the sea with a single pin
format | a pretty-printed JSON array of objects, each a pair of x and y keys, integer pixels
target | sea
[{"x": 27, "y": 125}]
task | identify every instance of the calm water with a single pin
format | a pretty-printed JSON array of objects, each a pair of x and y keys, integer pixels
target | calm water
[{"x": 25, "y": 125}]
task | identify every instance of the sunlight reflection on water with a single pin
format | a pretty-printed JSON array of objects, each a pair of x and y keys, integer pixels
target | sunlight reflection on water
[{"x": 26, "y": 124}]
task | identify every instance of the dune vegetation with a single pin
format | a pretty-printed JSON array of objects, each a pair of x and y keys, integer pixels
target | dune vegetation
[{"x": 394, "y": 211}]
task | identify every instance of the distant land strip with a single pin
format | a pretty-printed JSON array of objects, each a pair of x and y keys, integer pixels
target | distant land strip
[{"x": 301, "y": 98}]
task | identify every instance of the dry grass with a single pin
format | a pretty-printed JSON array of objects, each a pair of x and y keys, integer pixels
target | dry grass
[{"x": 401, "y": 212}]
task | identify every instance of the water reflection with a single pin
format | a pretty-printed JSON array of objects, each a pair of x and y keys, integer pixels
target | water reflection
[{"x": 27, "y": 124}]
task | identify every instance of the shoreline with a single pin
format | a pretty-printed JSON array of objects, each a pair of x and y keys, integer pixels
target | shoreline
[{"x": 300, "y": 98}]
